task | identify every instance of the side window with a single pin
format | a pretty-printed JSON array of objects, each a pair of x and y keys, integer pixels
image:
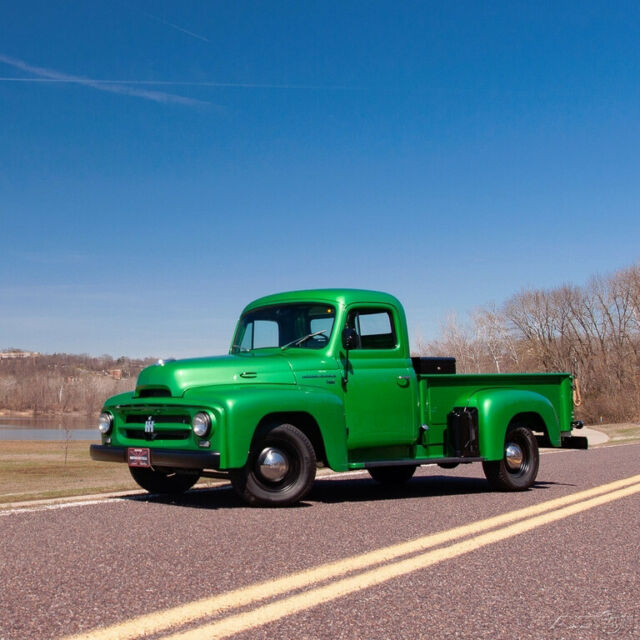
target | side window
[
  {"x": 375, "y": 328},
  {"x": 247, "y": 338}
]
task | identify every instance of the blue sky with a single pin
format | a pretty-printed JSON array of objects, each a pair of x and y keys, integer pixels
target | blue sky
[{"x": 163, "y": 163}]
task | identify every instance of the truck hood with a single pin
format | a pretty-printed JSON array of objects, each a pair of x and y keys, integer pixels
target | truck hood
[{"x": 177, "y": 376}]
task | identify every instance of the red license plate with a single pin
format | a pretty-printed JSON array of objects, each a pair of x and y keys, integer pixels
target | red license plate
[{"x": 137, "y": 457}]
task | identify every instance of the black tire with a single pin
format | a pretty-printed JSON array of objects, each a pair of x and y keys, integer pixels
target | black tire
[
  {"x": 298, "y": 473},
  {"x": 512, "y": 476},
  {"x": 392, "y": 476},
  {"x": 164, "y": 480}
]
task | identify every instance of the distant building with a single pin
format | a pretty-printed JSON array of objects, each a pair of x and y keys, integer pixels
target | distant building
[
  {"x": 15, "y": 354},
  {"x": 116, "y": 374}
]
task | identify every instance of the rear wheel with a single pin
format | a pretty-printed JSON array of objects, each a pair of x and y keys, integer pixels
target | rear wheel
[
  {"x": 280, "y": 470},
  {"x": 392, "y": 476},
  {"x": 159, "y": 480},
  {"x": 518, "y": 468}
]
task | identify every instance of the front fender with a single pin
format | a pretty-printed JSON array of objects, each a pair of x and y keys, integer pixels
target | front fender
[
  {"x": 498, "y": 407},
  {"x": 244, "y": 407}
]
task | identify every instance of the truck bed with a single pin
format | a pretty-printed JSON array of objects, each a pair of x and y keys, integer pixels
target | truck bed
[{"x": 440, "y": 393}]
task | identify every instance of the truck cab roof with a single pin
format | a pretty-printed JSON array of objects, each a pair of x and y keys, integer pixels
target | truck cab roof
[{"x": 343, "y": 297}]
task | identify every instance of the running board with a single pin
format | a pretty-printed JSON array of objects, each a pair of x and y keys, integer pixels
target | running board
[{"x": 405, "y": 462}]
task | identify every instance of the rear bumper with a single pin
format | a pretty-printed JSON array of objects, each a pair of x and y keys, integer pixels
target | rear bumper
[
  {"x": 174, "y": 458},
  {"x": 574, "y": 442}
]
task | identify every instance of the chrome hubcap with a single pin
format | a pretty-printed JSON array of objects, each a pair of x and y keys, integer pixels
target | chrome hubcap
[
  {"x": 273, "y": 464},
  {"x": 513, "y": 456}
]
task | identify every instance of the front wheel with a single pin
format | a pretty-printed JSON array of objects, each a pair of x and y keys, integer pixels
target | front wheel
[
  {"x": 163, "y": 480},
  {"x": 280, "y": 470},
  {"x": 518, "y": 468}
]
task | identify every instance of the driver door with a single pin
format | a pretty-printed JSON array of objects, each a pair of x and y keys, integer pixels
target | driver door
[{"x": 381, "y": 395}]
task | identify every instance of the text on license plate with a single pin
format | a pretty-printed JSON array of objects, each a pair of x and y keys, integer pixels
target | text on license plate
[{"x": 138, "y": 457}]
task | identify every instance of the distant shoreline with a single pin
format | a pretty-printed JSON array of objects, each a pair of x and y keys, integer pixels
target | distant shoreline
[{"x": 31, "y": 413}]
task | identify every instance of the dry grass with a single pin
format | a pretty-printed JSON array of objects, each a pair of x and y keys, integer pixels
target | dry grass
[
  {"x": 626, "y": 431},
  {"x": 34, "y": 470}
]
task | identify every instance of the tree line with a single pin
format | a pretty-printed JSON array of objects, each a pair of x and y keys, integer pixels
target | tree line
[
  {"x": 65, "y": 383},
  {"x": 591, "y": 331}
]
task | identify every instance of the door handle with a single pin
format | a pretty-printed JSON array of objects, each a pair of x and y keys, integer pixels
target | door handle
[{"x": 403, "y": 381}]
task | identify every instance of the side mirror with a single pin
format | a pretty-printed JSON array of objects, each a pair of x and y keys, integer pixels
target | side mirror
[{"x": 350, "y": 339}]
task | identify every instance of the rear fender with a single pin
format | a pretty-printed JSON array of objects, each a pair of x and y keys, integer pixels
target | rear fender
[{"x": 497, "y": 408}]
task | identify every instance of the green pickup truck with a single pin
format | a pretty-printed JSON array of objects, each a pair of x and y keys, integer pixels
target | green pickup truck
[{"x": 325, "y": 378}]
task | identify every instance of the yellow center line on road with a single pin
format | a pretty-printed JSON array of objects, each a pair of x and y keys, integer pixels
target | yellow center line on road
[
  {"x": 265, "y": 614},
  {"x": 174, "y": 617}
]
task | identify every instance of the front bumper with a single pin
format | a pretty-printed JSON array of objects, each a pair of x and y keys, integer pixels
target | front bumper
[{"x": 173, "y": 458}]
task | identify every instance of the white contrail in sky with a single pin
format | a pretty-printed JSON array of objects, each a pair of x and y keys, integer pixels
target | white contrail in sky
[
  {"x": 174, "y": 26},
  {"x": 112, "y": 87},
  {"x": 202, "y": 83}
]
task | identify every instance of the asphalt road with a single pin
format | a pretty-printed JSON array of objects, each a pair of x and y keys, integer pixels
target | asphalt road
[{"x": 354, "y": 561}]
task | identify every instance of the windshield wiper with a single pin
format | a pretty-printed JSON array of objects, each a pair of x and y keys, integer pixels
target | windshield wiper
[
  {"x": 237, "y": 347},
  {"x": 298, "y": 341}
]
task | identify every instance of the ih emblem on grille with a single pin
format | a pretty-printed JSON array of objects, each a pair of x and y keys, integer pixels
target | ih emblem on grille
[{"x": 149, "y": 424}]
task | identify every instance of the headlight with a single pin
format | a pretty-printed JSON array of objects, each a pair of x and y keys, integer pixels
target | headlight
[
  {"x": 201, "y": 424},
  {"x": 105, "y": 422}
]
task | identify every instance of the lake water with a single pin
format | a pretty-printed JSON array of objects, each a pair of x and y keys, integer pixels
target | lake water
[{"x": 54, "y": 428}]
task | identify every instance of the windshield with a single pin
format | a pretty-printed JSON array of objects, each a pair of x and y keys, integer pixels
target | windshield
[{"x": 288, "y": 325}]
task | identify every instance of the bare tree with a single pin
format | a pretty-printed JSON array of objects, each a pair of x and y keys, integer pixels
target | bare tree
[{"x": 592, "y": 332}]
